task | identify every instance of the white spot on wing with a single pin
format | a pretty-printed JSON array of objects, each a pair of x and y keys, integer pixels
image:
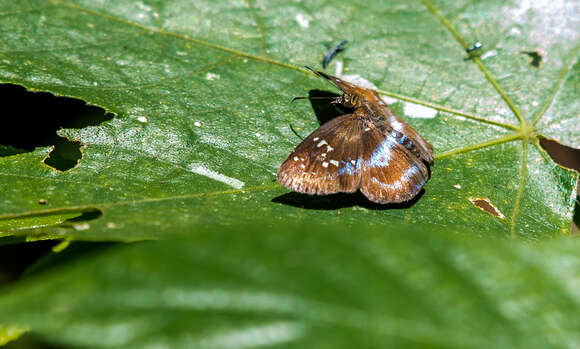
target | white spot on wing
[
  {"x": 325, "y": 164},
  {"x": 302, "y": 20},
  {"x": 315, "y": 139},
  {"x": 419, "y": 111},
  {"x": 295, "y": 158},
  {"x": 321, "y": 143},
  {"x": 398, "y": 126},
  {"x": 204, "y": 171},
  {"x": 334, "y": 162}
]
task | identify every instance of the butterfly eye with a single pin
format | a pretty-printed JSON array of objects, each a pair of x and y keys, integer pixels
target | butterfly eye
[{"x": 349, "y": 101}]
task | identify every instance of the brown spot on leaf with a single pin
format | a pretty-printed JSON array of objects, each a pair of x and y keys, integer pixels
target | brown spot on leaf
[
  {"x": 536, "y": 58},
  {"x": 485, "y": 205}
]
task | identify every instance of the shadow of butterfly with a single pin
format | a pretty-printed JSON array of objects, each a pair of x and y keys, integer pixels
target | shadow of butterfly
[{"x": 369, "y": 149}]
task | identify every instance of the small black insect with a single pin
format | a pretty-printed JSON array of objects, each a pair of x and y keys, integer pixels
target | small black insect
[
  {"x": 478, "y": 45},
  {"x": 370, "y": 149},
  {"x": 333, "y": 52}
]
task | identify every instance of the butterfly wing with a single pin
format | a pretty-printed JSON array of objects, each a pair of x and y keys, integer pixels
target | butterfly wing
[
  {"x": 326, "y": 162},
  {"x": 391, "y": 172},
  {"x": 413, "y": 140}
]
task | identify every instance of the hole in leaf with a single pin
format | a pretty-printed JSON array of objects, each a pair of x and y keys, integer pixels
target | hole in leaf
[
  {"x": 564, "y": 156},
  {"x": 61, "y": 218},
  {"x": 536, "y": 58},
  {"x": 569, "y": 158},
  {"x": 485, "y": 205},
  {"x": 35, "y": 117}
]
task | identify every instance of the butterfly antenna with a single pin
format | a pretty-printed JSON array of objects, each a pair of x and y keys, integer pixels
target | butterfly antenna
[{"x": 308, "y": 97}]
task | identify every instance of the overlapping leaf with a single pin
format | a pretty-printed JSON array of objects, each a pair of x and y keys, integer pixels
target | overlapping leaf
[
  {"x": 307, "y": 288},
  {"x": 201, "y": 91}
]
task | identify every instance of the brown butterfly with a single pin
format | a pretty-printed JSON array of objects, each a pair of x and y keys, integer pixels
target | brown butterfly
[{"x": 370, "y": 149}]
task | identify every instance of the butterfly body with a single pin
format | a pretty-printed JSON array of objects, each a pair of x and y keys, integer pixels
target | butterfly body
[{"x": 370, "y": 149}]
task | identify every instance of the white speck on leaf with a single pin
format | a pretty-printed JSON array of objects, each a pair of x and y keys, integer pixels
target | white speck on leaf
[
  {"x": 204, "y": 171},
  {"x": 389, "y": 100},
  {"x": 338, "y": 68},
  {"x": 489, "y": 54},
  {"x": 302, "y": 20},
  {"x": 457, "y": 186},
  {"x": 419, "y": 111},
  {"x": 83, "y": 226},
  {"x": 142, "y": 119},
  {"x": 197, "y": 124},
  {"x": 360, "y": 81},
  {"x": 212, "y": 76}
]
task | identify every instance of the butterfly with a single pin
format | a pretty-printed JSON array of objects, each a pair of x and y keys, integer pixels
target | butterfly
[{"x": 369, "y": 149}]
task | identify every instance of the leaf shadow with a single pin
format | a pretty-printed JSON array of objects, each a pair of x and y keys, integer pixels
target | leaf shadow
[
  {"x": 323, "y": 109},
  {"x": 340, "y": 200}
]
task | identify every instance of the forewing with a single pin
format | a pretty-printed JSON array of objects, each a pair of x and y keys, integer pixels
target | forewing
[
  {"x": 391, "y": 173},
  {"x": 326, "y": 162}
]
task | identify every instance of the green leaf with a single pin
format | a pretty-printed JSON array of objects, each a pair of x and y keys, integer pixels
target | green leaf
[
  {"x": 309, "y": 287},
  {"x": 10, "y": 333},
  {"x": 201, "y": 91}
]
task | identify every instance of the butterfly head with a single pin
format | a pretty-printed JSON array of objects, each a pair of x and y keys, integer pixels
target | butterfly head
[
  {"x": 352, "y": 97},
  {"x": 347, "y": 100}
]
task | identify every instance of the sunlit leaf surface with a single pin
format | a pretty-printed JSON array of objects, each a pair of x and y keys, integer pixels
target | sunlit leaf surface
[{"x": 201, "y": 94}]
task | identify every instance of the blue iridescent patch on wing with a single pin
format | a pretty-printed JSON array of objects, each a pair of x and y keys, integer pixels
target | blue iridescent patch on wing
[
  {"x": 350, "y": 168},
  {"x": 421, "y": 184},
  {"x": 382, "y": 155}
]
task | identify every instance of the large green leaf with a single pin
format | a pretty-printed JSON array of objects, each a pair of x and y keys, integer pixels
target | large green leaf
[
  {"x": 201, "y": 91},
  {"x": 308, "y": 288}
]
